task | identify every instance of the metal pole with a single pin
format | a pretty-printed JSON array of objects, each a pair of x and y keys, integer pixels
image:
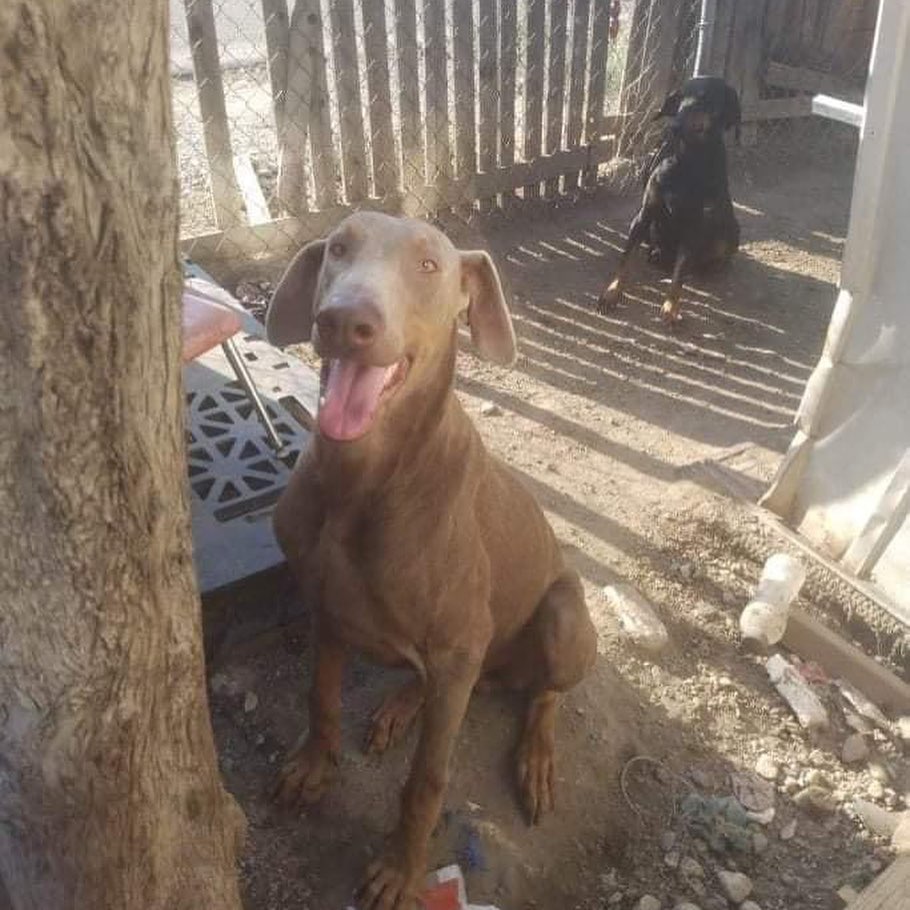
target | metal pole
[{"x": 705, "y": 36}]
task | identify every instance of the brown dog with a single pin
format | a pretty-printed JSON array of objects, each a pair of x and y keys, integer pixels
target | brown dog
[{"x": 415, "y": 545}]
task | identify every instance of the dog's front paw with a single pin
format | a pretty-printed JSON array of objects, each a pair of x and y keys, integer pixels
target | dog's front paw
[
  {"x": 306, "y": 774},
  {"x": 610, "y": 297},
  {"x": 390, "y": 885},
  {"x": 669, "y": 312},
  {"x": 536, "y": 774}
]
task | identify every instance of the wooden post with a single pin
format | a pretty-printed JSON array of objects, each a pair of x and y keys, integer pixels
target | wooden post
[
  {"x": 746, "y": 45},
  {"x": 597, "y": 77},
  {"x": 487, "y": 69},
  {"x": 575, "y": 118},
  {"x": 277, "y": 38},
  {"x": 534, "y": 88},
  {"x": 720, "y": 39},
  {"x": 376, "y": 46},
  {"x": 508, "y": 42},
  {"x": 226, "y": 195},
  {"x": 465, "y": 129},
  {"x": 347, "y": 84},
  {"x": 412, "y": 162},
  {"x": 556, "y": 91},
  {"x": 439, "y": 155}
]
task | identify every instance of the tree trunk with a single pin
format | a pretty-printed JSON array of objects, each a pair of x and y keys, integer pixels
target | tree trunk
[{"x": 109, "y": 791}]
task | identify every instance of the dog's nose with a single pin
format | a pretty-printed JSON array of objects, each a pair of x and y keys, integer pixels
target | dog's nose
[{"x": 350, "y": 324}]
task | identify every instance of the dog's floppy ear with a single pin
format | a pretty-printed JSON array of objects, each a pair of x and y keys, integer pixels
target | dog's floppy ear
[
  {"x": 731, "y": 114},
  {"x": 290, "y": 316},
  {"x": 670, "y": 106},
  {"x": 488, "y": 315}
]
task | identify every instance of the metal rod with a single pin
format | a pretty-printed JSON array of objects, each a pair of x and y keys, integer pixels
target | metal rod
[{"x": 705, "y": 36}]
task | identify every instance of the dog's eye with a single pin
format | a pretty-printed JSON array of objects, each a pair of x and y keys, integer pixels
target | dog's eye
[
  {"x": 428, "y": 265},
  {"x": 337, "y": 249}
]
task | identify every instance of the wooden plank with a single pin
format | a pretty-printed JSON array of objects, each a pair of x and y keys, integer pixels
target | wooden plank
[
  {"x": 439, "y": 156},
  {"x": 556, "y": 89},
  {"x": 463, "y": 74},
  {"x": 775, "y": 25},
  {"x": 803, "y": 79},
  {"x": 812, "y": 640},
  {"x": 257, "y": 208},
  {"x": 575, "y": 118},
  {"x": 487, "y": 68},
  {"x": 720, "y": 39},
  {"x": 226, "y": 195},
  {"x": 508, "y": 43},
  {"x": 285, "y": 235},
  {"x": 890, "y": 891},
  {"x": 779, "y": 109},
  {"x": 412, "y": 163},
  {"x": 597, "y": 74},
  {"x": 277, "y": 41},
  {"x": 835, "y": 109},
  {"x": 633, "y": 67},
  {"x": 752, "y": 50},
  {"x": 379, "y": 95},
  {"x": 534, "y": 72},
  {"x": 306, "y": 114},
  {"x": 350, "y": 110}
]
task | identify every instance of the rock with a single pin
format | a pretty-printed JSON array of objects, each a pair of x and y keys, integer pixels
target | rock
[
  {"x": 847, "y": 893},
  {"x": 791, "y": 686},
  {"x": 671, "y": 859},
  {"x": 691, "y": 868},
  {"x": 250, "y": 702},
  {"x": 788, "y": 831},
  {"x": 790, "y": 785},
  {"x": 855, "y": 749},
  {"x": 637, "y": 619},
  {"x": 488, "y": 409},
  {"x": 766, "y": 767},
  {"x": 760, "y": 843},
  {"x": 877, "y": 820},
  {"x": 736, "y": 886},
  {"x": 815, "y": 798},
  {"x": 749, "y": 905},
  {"x": 687, "y": 905},
  {"x": 648, "y": 902},
  {"x": 762, "y": 818},
  {"x": 754, "y": 792},
  {"x": 875, "y": 790},
  {"x": 615, "y": 899},
  {"x": 880, "y": 771},
  {"x": 903, "y": 727},
  {"x": 816, "y": 778},
  {"x": 900, "y": 840}
]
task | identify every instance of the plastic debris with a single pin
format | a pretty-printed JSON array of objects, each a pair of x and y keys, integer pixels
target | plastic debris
[
  {"x": 791, "y": 686},
  {"x": 637, "y": 619},
  {"x": 445, "y": 890},
  {"x": 764, "y": 620},
  {"x": 720, "y": 821}
]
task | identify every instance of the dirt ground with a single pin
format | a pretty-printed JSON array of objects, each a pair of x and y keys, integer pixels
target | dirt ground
[{"x": 621, "y": 429}]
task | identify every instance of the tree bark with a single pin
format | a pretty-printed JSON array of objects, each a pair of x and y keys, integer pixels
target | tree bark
[{"x": 110, "y": 797}]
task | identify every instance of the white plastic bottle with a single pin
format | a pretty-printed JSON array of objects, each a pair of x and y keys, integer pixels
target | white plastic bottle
[{"x": 764, "y": 620}]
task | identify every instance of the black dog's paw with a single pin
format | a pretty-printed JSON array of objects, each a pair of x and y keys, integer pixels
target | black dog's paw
[{"x": 610, "y": 297}]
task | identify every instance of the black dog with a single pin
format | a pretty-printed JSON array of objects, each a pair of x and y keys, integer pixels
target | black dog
[{"x": 686, "y": 215}]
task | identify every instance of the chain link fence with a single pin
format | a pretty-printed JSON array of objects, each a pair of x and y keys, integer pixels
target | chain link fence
[{"x": 290, "y": 113}]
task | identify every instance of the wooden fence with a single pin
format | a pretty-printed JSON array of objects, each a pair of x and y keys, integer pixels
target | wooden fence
[{"x": 413, "y": 106}]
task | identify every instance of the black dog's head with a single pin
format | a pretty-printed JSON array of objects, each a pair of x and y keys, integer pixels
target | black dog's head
[{"x": 705, "y": 106}]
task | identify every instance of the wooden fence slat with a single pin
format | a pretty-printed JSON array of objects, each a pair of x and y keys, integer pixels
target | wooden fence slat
[
  {"x": 745, "y": 58},
  {"x": 412, "y": 164},
  {"x": 439, "y": 156},
  {"x": 487, "y": 68},
  {"x": 379, "y": 98},
  {"x": 277, "y": 38},
  {"x": 575, "y": 118},
  {"x": 508, "y": 45},
  {"x": 556, "y": 90},
  {"x": 463, "y": 47},
  {"x": 720, "y": 41},
  {"x": 306, "y": 112},
  {"x": 226, "y": 195},
  {"x": 347, "y": 84},
  {"x": 534, "y": 87},
  {"x": 595, "y": 124}
]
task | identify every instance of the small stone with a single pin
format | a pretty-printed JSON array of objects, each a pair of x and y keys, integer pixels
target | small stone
[
  {"x": 875, "y": 790},
  {"x": 648, "y": 902},
  {"x": 880, "y": 771},
  {"x": 816, "y": 778},
  {"x": 749, "y": 905},
  {"x": 691, "y": 868},
  {"x": 788, "y": 831},
  {"x": 855, "y": 749},
  {"x": 847, "y": 893},
  {"x": 766, "y": 767},
  {"x": 817, "y": 798},
  {"x": 736, "y": 886},
  {"x": 877, "y": 820},
  {"x": 671, "y": 859},
  {"x": 250, "y": 702},
  {"x": 488, "y": 409},
  {"x": 760, "y": 843},
  {"x": 615, "y": 899},
  {"x": 903, "y": 727},
  {"x": 687, "y": 905},
  {"x": 667, "y": 840},
  {"x": 791, "y": 785}
]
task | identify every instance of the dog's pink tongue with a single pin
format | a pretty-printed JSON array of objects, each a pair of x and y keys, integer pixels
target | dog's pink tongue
[{"x": 350, "y": 399}]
